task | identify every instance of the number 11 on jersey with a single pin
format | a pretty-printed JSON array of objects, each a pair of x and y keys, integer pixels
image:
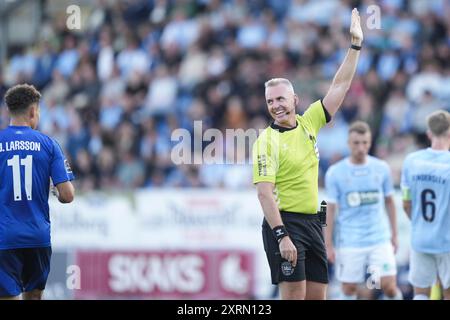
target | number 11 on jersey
[{"x": 15, "y": 163}]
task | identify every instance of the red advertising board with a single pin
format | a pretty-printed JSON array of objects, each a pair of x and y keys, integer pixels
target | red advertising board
[{"x": 211, "y": 274}]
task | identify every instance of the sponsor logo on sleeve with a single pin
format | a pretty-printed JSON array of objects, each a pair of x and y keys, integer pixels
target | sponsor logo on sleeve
[{"x": 67, "y": 166}]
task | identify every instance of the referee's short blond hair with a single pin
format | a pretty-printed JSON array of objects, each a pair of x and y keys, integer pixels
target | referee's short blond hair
[
  {"x": 439, "y": 122},
  {"x": 276, "y": 81}
]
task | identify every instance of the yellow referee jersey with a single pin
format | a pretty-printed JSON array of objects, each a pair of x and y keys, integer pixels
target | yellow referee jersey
[{"x": 289, "y": 158}]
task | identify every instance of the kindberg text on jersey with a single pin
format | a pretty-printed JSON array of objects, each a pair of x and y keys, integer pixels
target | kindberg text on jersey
[{"x": 426, "y": 183}]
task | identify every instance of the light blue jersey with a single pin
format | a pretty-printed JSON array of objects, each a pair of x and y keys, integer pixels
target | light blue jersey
[
  {"x": 426, "y": 183},
  {"x": 359, "y": 192}
]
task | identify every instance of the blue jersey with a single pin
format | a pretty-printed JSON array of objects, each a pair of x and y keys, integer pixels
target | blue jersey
[
  {"x": 359, "y": 192},
  {"x": 426, "y": 183},
  {"x": 28, "y": 159}
]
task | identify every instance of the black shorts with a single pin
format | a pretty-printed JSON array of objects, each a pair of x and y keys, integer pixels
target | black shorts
[
  {"x": 23, "y": 270},
  {"x": 305, "y": 231}
]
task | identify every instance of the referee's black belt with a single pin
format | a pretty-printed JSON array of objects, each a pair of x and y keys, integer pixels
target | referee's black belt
[{"x": 301, "y": 214}]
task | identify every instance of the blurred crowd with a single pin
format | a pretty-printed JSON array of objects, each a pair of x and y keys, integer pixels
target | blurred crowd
[{"x": 114, "y": 92}]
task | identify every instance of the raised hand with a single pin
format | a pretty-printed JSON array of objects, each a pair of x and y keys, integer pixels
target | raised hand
[{"x": 355, "y": 28}]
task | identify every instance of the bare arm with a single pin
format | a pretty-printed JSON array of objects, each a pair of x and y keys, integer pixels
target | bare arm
[
  {"x": 268, "y": 204},
  {"x": 343, "y": 78},
  {"x": 390, "y": 207},
  {"x": 331, "y": 211},
  {"x": 66, "y": 192},
  {"x": 407, "y": 207},
  {"x": 272, "y": 214}
]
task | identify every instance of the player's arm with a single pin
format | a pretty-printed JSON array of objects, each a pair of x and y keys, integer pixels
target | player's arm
[
  {"x": 405, "y": 185},
  {"x": 390, "y": 208},
  {"x": 66, "y": 192},
  {"x": 333, "y": 193},
  {"x": 343, "y": 77},
  {"x": 272, "y": 214},
  {"x": 331, "y": 211},
  {"x": 61, "y": 174},
  {"x": 407, "y": 207}
]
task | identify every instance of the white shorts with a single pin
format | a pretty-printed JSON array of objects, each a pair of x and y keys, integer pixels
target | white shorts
[
  {"x": 352, "y": 264},
  {"x": 425, "y": 267}
]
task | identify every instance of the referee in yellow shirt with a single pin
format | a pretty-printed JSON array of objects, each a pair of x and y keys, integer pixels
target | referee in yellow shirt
[{"x": 285, "y": 171}]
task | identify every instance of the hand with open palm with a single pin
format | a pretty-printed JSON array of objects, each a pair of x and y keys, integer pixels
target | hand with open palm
[{"x": 355, "y": 28}]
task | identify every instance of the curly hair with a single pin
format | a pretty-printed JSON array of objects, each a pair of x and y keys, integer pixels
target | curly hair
[{"x": 20, "y": 97}]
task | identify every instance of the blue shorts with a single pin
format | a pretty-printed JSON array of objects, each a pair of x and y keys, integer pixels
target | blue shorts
[{"x": 23, "y": 270}]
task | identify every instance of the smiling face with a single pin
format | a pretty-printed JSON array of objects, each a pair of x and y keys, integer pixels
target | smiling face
[{"x": 281, "y": 101}]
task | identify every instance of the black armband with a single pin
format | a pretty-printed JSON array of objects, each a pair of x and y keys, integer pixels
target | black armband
[
  {"x": 280, "y": 232},
  {"x": 354, "y": 46}
]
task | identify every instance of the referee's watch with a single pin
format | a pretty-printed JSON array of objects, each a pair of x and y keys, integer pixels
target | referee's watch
[{"x": 280, "y": 232}]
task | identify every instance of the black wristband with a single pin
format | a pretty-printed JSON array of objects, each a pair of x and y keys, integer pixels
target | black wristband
[
  {"x": 354, "y": 46},
  {"x": 280, "y": 232}
]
